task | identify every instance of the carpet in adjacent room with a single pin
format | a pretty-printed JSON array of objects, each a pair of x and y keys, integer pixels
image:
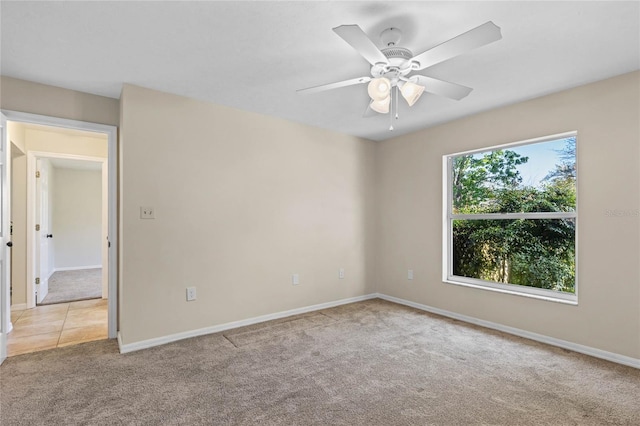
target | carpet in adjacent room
[{"x": 69, "y": 286}]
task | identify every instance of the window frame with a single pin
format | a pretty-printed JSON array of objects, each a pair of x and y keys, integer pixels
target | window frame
[{"x": 449, "y": 217}]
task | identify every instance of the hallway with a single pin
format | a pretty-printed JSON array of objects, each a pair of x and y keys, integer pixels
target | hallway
[{"x": 51, "y": 326}]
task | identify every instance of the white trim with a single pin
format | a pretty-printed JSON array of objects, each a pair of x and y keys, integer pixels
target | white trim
[
  {"x": 5, "y": 253},
  {"x": 19, "y": 307},
  {"x": 3, "y": 347},
  {"x": 518, "y": 143},
  {"x": 514, "y": 289},
  {"x": 144, "y": 344},
  {"x": 112, "y": 161},
  {"x": 448, "y": 218},
  {"x": 47, "y": 154},
  {"x": 512, "y": 216},
  {"x": 447, "y": 235},
  {"x": 587, "y": 350},
  {"x": 45, "y": 120},
  {"x": 76, "y": 268}
]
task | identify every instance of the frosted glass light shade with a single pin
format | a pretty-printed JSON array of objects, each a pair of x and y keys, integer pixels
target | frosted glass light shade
[
  {"x": 379, "y": 88},
  {"x": 411, "y": 92},
  {"x": 381, "y": 106}
]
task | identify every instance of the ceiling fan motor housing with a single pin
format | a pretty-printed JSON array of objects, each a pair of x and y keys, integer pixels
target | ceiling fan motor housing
[
  {"x": 399, "y": 64},
  {"x": 397, "y": 52}
]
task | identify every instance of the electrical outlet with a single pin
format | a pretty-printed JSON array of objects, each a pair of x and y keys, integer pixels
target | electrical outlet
[
  {"x": 295, "y": 279},
  {"x": 191, "y": 294},
  {"x": 341, "y": 273},
  {"x": 147, "y": 213},
  {"x": 410, "y": 274}
]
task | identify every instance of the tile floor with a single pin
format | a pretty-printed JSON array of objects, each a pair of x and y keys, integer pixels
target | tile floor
[{"x": 54, "y": 326}]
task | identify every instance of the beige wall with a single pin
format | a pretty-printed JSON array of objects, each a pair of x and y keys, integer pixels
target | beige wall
[
  {"x": 241, "y": 201},
  {"x": 16, "y": 135},
  {"x": 409, "y": 179},
  {"x": 244, "y": 200},
  {"x": 34, "y": 98},
  {"x": 77, "y": 218},
  {"x": 66, "y": 143}
]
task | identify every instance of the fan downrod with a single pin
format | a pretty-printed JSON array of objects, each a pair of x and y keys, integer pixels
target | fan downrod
[{"x": 399, "y": 58}]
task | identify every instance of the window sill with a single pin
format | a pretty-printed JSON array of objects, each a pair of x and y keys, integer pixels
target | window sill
[{"x": 567, "y": 300}]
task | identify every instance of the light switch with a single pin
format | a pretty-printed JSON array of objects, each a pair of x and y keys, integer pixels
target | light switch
[{"x": 191, "y": 294}]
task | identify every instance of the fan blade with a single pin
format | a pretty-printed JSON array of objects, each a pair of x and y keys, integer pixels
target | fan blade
[
  {"x": 441, "y": 87},
  {"x": 330, "y": 86},
  {"x": 357, "y": 39},
  {"x": 472, "y": 39}
]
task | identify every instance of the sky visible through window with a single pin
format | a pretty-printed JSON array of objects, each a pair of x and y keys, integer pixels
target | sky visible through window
[
  {"x": 543, "y": 158},
  {"x": 497, "y": 234}
]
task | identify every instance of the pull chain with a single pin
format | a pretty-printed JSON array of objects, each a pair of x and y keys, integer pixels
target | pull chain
[
  {"x": 391, "y": 111},
  {"x": 396, "y": 102}
]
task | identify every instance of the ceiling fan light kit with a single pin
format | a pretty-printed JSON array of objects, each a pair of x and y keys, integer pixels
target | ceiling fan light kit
[
  {"x": 392, "y": 65},
  {"x": 411, "y": 92},
  {"x": 381, "y": 106},
  {"x": 379, "y": 89}
]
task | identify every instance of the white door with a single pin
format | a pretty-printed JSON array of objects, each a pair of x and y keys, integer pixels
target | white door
[
  {"x": 42, "y": 235},
  {"x": 5, "y": 256}
]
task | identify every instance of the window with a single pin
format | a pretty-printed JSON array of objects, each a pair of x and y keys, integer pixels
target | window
[{"x": 510, "y": 218}]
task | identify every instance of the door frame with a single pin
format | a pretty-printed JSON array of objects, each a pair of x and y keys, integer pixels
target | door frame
[
  {"x": 32, "y": 243},
  {"x": 5, "y": 312},
  {"x": 112, "y": 159}
]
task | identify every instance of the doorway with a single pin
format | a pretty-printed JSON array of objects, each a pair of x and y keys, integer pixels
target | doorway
[
  {"x": 106, "y": 167},
  {"x": 67, "y": 227}
]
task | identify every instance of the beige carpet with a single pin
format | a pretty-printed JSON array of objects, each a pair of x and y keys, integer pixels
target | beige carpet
[
  {"x": 69, "y": 286},
  {"x": 369, "y": 363}
]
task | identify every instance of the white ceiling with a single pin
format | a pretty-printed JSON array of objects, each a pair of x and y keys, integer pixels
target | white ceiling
[{"x": 254, "y": 55}]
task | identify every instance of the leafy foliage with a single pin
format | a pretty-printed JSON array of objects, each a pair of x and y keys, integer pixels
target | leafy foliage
[
  {"x": 530, "y": 252},
  {"x": 476, "y": 179},
  {"x": 567, "y": 169}
]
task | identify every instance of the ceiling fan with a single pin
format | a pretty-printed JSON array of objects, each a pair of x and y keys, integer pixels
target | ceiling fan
[{"x": 392, "y": 66}]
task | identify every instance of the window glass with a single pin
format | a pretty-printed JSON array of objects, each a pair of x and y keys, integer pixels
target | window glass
[
  {"x": 512, "y": 216},
  {"x": 525, "y": 178}
]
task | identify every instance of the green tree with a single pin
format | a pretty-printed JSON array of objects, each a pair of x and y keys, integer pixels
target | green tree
[
  {"x": 566, "y": 170},
  {"x": 532, "y": 252},
  {"x": 475, "y": 179}
]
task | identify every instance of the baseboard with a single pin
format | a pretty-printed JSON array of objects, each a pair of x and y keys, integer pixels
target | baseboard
[
  {"x": 3, "y": 347},
  {"x": 19, "y": 307},
  {"x": 587, "y": 350},
  {"x": 144, "y": 344},
  {"x": 120, "y": 344},
  {"x": 76, "y": 268}
]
